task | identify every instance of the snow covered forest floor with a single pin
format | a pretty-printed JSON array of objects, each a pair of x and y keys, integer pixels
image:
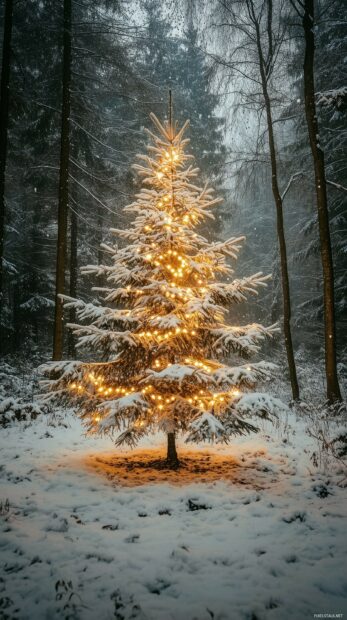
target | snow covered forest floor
[{"x": 253, "y": 530}]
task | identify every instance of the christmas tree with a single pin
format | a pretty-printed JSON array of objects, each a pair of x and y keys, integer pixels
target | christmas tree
[{"x": 159, "y": 343}]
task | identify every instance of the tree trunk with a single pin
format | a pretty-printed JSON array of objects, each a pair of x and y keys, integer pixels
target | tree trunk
[
  {"x": 73, "y": 278},
  {"x": 283, "y": 260},
  {"x": 35, "y": 262},
  {"x": 280, "y": 222},
  {"x": 99, "y": 225},
  {"x": 16, "y": 320},
  {"x": 4, "y": 114},
  {"x": 63, "y": 186},
  {"x": 172, "y": 458},
  {"x": 333, "y": 389},
  {"x": 276, "y": 288}
]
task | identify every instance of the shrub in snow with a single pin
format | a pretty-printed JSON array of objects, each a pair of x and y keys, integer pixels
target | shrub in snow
[
  {"x": 21, "y": 405},
  {"x": 12, "y": 409}
]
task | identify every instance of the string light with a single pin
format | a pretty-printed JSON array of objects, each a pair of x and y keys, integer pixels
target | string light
[{"x": 186, "y": 273}]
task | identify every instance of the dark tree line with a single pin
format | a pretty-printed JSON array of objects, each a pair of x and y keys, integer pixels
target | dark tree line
[
  {"x": 263, "y": 42},
  {"x": 78, "y": 80},
  {"x": 63, "y": 195},
  {"x": 306, "y": 11},
  {"x": 82, "y": 79},
  {"x": 4, "y": 114}
]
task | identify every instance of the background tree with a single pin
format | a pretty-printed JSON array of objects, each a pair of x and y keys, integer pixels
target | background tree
[
  {"x": 63, "y": 198},
  {"x": 33, "y": 151},
  {"x": 98, "y": 95},
  {"x": 169, "y": 61},
  {"x": 4, "y": 115},
  {"x": 111, "y": 90},
  {"x": 258, "y": 34},
  {"x": 308, "y": 22}
]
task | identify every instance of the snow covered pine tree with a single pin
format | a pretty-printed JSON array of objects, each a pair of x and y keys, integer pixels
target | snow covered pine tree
[{"x": 162, "y": 327}]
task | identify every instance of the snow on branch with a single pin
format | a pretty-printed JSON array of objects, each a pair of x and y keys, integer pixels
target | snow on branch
[
  {"x": 236, "y": 291},
  {"x": 260, "y": 405},
  {"x": 58, "y": 375},
  {"x": 178, "y": 376},
  {"x": 294, "y": 177},
  {"x": 115, "y": 412},
  {"x": 336, "y": 98},
  {"x": 231, "y": 247},
  {"x": 337, "y": 186},
  {"x": 242, "y": 339},
  {"x": 235, "y": 425},
  {"x": 245, "y": 375},
  {"x": 91, "y": 335},
  {"x": 98, "y": 314},
  {"x": 59, "y": 369},
  {"x": 131, "y": 436},
  {"x": 207, "y": 427},
  {"x": 159, "y": 126}
]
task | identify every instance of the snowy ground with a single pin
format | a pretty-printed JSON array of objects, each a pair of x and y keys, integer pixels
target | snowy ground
[{"x": 250, "y": 531}]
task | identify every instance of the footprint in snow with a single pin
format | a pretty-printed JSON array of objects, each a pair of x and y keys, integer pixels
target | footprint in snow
[
  {"x": 111, "y": 526},
  {"x": 77, "y": 519},
  {"x": 272, "y": 603},
  {"x": 158, "y": 586},
  {"x": 321, "y": 491},
  {"x": 259, "y": 552},
  {"x": 193, "y": 506},
  {"x": 295, "y": 516},
  {"x": 99, "y": 558},
  {"x": 132, "y": 539},
  {"x": 291, "y": 559},
  {"x": 57, "y": 524}
]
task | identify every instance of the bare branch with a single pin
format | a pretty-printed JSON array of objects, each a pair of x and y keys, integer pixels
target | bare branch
[
  {"x": 336, "y": 185},
  {"x": 294, "y": 177}
]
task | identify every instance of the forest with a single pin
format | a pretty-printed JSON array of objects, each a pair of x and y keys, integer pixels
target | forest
[{"x": 154, "y": 154}]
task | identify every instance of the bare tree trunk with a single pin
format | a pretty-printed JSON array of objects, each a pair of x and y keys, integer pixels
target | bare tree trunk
[
  {"x": 333, "y": 388},
  {"x": 35, "y": 258},
  {"x": 276, "y": 287},
  {"x": 16, "y": 317},
  {"x": 283, "y": 259},
  {"x": 4, "y": 114},
  {"x": 172, "y": 458},
  {"x": 73, "y": 278},
  {"x": 279, "y": 207},
  {"x": 63, "y": 186}
]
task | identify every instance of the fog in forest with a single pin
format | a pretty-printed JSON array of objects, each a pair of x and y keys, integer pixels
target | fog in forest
[
  {"x": 125, "y": 56},
  {"x": 173, "y": 271}
]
